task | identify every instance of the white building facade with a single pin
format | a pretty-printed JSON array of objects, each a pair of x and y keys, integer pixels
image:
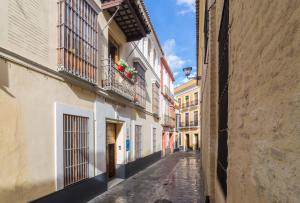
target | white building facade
[{"x": 70, "y": 120}]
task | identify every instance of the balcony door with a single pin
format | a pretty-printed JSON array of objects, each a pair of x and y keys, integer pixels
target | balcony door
[
  {"x": 186, "y": 119},
  {"x": 113, "y": 50},
  {"x": 187, "y": 101}
]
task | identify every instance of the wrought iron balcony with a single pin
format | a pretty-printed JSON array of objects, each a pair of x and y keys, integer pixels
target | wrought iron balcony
[
  {"x": 167, "y": 92},
  {"x": 168, "y": 121},
  {"x": 189, "y": 104},
  {"x": 116, "y": 82},
  {"x": 191, "y": 124}
]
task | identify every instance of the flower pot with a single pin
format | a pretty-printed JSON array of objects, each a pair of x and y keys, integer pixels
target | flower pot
[
  {"x": 128, "y": 75},
  {"x": 120, "y": 68}
]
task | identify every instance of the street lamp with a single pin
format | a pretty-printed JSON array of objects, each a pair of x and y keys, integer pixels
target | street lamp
[{"x": 187, "y": 71}]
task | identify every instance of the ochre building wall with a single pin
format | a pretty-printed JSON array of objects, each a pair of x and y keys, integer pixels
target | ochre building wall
[{"x": 263, "y": 119}]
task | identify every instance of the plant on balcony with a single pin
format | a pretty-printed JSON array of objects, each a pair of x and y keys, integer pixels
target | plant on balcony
[
  {"x": 122, "y": 65},
  {"x": 130, "y": 72}
]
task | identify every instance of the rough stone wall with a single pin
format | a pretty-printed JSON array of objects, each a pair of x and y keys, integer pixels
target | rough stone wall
[{"x": 264, "y": 101}]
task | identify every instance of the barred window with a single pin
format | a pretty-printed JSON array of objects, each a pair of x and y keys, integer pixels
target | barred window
[
  {"x": 77, "y": 39},
  {"x": 75, "y": 147},
  {"x": 138, "y": 141},
  {"x": 140, "y": 85},
  {"x": 155, "y": 99},
  {"x": 154, "y": 140},
  {"x": 223, "y": 99}
]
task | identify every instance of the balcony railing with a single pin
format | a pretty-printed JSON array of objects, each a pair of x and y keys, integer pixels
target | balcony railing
[
  {"x": 116, "y": 82},
  {"x": 189, "y": 104},
  {"x": 191, "y": 124},
  {"x": 169, "y": 121},
  {"x": 168, "y": 92}
]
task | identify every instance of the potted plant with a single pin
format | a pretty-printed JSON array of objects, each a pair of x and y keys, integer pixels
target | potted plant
[
  {"x": 130, "y": 72},
  {"x": 122, "y": 65}
]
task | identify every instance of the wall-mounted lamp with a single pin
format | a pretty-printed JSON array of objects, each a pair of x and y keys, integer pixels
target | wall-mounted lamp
[{"x": 187, "y": 71}]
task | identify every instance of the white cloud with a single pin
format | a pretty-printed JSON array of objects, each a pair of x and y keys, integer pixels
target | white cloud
[
  {"x": 175, "y": 61},
  {"x": 188, "y": 6}
]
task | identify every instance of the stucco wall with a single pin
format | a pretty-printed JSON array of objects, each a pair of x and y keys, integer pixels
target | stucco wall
[
  {"x": 264, "y": 112},
  {"x": 27, "y": 130},
  {"x": 263, "y": 134}
]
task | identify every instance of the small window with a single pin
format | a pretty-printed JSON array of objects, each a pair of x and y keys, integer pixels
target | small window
[
  {"x": 76, "y": 148},
  {"x": 138, "y": 141}
]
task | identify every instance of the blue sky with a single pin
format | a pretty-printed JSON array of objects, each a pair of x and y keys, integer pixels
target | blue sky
[{"x": 174, "y": 23}]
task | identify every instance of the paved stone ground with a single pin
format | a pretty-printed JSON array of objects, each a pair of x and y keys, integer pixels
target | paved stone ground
[{"x": 175, "y": 178}]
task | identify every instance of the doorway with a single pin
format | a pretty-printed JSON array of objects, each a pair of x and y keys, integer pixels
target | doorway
[
  {"x": 111, "y": 132},
  {"x": 187, "y": 138},
  {"x": 196, "y": 142},
  {"x": 113, "y": 50}
]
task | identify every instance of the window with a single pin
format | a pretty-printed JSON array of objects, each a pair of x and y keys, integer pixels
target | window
[
  {"x": 140, "y": 85},
  {"x": 154, "y": 58},
  {"x": 155, "y": 98},
  {"x": 77, "y": 39},
  {"x": 177, "y": 121},
  {"x": 223, "y": 100},
  {"x": 154, "y": 140},
  {"x": 179, "y": 102},
  {"x": 187, "y": 101},
  {"x": 186, "y": 119},
  {"x": 138, "y": 141},
  {"x": 179, "y": 139},
  {"x": 196, "y": 98},
  {"x": 195, "y": 118},
  {"x": 76, "y": 148},
  {"x": 149, "y": 49}
]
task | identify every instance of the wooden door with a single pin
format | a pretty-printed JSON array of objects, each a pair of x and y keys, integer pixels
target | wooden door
[
  {"x": 111, "y": 160},
  {"x": 111, "y": 149}
]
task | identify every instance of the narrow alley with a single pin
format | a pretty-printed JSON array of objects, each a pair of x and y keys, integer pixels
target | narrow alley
[{"x": 175, "y": 178}]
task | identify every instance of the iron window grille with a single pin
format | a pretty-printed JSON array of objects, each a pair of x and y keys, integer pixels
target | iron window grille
[
  {"x": 155, "y": 99},
  {"x": 154, "y": 140},
  {"x": 77, "y": 39},
  {"x": 206, "y": 30},
  {"x": 140, "y": 86},
  {"x": 76, "y": 148},
  {"x": 223, "y": 99},
  {"x": 138, "y": 141}
]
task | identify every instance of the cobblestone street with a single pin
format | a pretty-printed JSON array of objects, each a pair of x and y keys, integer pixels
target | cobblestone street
[{"x": 175, "y": 178}]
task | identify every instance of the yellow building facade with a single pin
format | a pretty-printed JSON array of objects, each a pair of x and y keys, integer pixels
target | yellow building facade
[{"x": 187, "y": 96}]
